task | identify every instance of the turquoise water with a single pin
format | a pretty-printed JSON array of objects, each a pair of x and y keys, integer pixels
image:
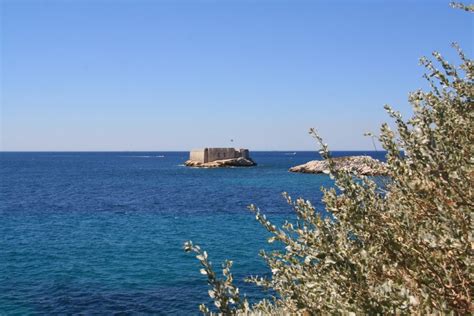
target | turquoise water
[{"x": 103, "y": 232}]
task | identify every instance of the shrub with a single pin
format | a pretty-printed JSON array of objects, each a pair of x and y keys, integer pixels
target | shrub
[{"x": 405, "y": 247}]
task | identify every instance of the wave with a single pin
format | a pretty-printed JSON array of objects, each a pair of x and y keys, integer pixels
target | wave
[{"x": 146, "y": 156}]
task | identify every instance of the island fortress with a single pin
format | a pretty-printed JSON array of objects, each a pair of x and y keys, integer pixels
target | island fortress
[
  {"x": 212, "y": 154},
  {"x": 219, "y": 157}
]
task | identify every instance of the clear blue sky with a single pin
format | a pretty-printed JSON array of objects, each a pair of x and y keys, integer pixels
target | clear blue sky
[{"x": 173, "y": 75}]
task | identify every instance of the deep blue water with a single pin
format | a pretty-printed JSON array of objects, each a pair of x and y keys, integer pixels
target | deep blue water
[{"x": 103, "y": 232}]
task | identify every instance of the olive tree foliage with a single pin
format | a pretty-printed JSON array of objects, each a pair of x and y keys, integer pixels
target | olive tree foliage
[
  {"x": 462, "y": 6},
  {"x": 404, "y": 248}
]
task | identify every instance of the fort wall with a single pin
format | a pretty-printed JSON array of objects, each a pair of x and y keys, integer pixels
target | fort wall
[
  {"x": 222, "y": 153},
  {"x": 199, "y": 155}
]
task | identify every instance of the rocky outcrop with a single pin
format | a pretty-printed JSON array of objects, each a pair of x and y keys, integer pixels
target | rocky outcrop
[
  {"x": 361, "y": 165},
  {"x": 234, "y": 162}
]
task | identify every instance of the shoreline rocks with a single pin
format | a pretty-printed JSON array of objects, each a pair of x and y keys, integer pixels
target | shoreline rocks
[
  {"x": 360, "y": 165},
  {"x": 223, "y": 163}
]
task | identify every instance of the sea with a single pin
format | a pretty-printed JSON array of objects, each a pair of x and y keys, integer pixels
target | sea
[{"x": 103, "y": 232}]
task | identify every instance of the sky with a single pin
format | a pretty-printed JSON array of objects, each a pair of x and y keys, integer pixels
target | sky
[{"x": 142, "y": 75}]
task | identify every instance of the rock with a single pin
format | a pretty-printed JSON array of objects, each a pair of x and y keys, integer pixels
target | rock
[
  {"x": 361, "y": 165},
  {"x": 219, "y": 157},
  {"x": 234, "y": 162}
]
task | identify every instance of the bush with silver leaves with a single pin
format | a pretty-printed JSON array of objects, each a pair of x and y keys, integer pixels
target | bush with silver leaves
[{"x": 403, "y": 248}]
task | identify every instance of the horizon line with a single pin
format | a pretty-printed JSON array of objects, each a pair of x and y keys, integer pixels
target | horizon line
[{"x": 170, "y": 151}]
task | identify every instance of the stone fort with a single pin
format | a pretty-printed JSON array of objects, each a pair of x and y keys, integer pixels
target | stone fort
[{"x": 212, "y": 154}]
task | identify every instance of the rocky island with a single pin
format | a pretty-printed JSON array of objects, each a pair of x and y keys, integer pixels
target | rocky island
[
  {"x": 219, "y": 158},
  {"x": 361, "y": 165}
]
